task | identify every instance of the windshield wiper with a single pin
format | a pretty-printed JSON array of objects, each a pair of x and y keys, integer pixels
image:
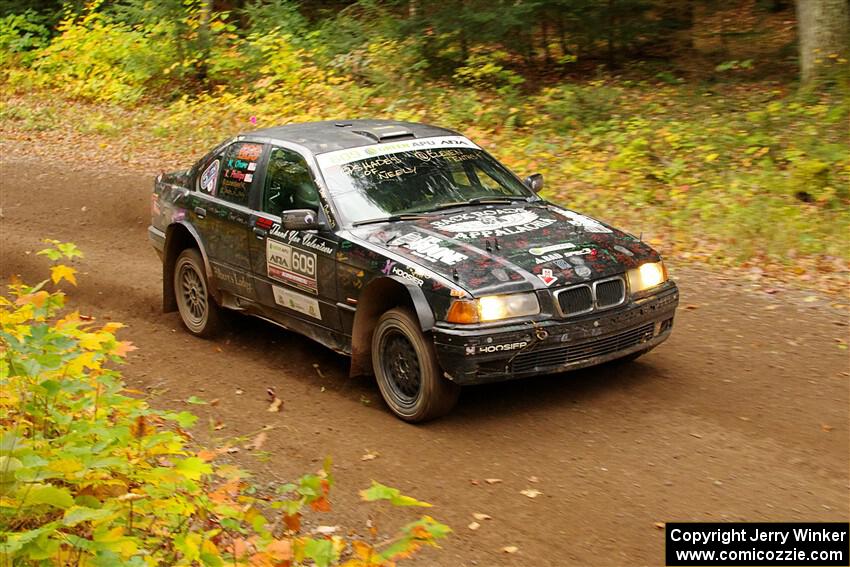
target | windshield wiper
[
  {"x": 391, "y": 218},
  {"x": 491, "y": 200}
]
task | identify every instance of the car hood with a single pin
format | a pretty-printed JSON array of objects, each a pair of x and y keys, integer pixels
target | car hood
[{"x": 504, "y": 249}]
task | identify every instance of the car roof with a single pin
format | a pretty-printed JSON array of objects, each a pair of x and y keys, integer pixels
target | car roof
[{"x": 331, "y": 135}]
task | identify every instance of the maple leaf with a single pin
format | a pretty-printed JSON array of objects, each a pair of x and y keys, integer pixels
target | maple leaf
[
  {"x": 60, "y": 272},
  {"x": 122, "y": 348}
]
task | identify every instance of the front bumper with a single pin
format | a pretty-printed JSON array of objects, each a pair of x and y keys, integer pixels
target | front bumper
[{"x": 518, "y": 350}]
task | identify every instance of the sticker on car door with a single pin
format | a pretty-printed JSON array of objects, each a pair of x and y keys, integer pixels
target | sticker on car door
[
  {"x": 290, "y": 265},
  {"x": 297, "y": 302}
]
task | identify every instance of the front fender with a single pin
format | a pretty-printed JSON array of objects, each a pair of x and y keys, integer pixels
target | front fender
[{"x": 420, "y": 303}]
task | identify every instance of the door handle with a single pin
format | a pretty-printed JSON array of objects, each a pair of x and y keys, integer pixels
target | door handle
[
  {"x": 201, "y": 212},
  {"x": 260, "y": 233}
]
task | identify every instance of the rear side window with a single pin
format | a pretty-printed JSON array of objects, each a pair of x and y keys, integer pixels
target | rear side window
[{"x": 237, "y": 167}]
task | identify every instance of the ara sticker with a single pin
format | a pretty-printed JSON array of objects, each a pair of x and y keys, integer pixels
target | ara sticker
[
  {"x": 291, "y": 265},
  {"x": 547, "y": 276},
  {"x": 209, "y": 178},
  {"x": 297, "y": 302}
]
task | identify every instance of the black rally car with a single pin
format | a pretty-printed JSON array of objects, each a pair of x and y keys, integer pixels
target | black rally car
[{"x": 410, "y": 249}]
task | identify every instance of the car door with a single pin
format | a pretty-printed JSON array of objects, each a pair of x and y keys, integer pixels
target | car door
[
  {"x": 220, "y": 211},
  {"x": 294, "y": 270}
]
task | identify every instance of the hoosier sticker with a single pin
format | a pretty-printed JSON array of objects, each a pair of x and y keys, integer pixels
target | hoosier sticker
[
  {"x": 291, "y": 265},
  {"x": 430, "y": 248}
]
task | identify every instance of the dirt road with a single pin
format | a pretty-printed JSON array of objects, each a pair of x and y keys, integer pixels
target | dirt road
[{"x": 741, "y": 415}]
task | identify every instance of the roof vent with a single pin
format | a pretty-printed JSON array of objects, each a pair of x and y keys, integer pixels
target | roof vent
[{"x": 385, "y": 133}]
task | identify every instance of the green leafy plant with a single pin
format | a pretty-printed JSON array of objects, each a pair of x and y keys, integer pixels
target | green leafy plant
[{"x": 92, "y": 475}]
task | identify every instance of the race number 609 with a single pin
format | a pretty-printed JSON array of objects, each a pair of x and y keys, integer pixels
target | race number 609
[{"x": 303, "y": 263}]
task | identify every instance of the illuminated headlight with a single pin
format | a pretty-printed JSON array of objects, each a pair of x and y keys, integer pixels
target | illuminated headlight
[
  {"x": 493, "y": 308},
  {"x": 647, "y": 276}
]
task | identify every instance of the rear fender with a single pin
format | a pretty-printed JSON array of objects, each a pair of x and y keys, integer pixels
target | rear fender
[{"x": 178, "y": 237}]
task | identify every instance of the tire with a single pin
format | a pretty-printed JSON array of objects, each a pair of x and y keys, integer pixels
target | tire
[
  {"x": 198, "y": 310},
  {"x": 406, "y": 368}
]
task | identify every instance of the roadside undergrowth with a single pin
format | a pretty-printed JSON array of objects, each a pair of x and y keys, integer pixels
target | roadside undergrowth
[{"x": 90, "y": 474}]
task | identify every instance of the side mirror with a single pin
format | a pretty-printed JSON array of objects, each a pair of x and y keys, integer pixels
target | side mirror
[
  {"x": 299, "y": 219},
  {"x": 534, "y": 182}
]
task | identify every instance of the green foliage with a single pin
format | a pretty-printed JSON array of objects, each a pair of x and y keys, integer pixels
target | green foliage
[
  {"x": 91, "y": 475},
  {"x": 487, "y": 70},
  {"x": 20, "y": 35}
]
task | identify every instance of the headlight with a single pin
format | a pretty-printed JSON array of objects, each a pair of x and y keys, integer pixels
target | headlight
[
  {"x": 493, "y": 308},
  {"x": 647, "y": 276}
]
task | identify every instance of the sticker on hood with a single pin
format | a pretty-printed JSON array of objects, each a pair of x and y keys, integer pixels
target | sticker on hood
[
  {"x": 581, "y": 221},
  {"x": 501, "y": 222},
  {"x": 430, "y": 248}
]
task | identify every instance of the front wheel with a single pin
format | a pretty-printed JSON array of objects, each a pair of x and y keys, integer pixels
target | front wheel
[
  {"x": 406, "y": 369},
  {"x": 198, "y": 311}
]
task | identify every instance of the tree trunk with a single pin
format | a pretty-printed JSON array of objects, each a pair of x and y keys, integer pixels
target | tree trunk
[
  {"x": 824, "y": 33},
  {"x": 611, "y": 30}
]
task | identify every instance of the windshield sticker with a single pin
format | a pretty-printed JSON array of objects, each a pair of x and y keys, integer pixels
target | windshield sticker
[
  {"x": 503, "y": 222},
  {"x": 297, "y": 302},
  {"x": 341, "y": 157},
  {"x": 430, "y": 248},
  {"x": 582, "y": 221},
  {"x": 209, "y": 177},
  {"x": 291, "y": 265}
]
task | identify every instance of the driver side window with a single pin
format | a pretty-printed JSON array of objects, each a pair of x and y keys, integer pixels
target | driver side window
[{"x": 289, "y": 184}]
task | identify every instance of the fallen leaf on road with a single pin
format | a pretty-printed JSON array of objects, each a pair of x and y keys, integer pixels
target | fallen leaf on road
[
  {"x": 530, "y": 492},
  {"x": 510, "y": 549},
  {"x": 239, "y": 391},
  {"x": 271, "y": 394},
  {"x": 369, "y": 456},
  {"x": 474, "y": 526},
  {"x": 318, "y": 371},
  {"x": 533, "y": 479},
  {"x": 697, "y": 435},
  {"x": 325, "y": 530},
  {"x": 214, "y": 402},
  {"x": 825, "y": 427},
  {"x": 659, "y": 525},
  {"x": 481, "y": 517},
  {"x": 691, "y": 306},
  {"x": 492, "y": 480},
  {"x": 810, "y": 299},
  {"x": 275, "y": 405},
  {"x": 258, "y": 442}
]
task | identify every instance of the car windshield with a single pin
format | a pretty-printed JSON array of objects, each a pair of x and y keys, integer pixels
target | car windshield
[{"x": 375, "y": 182}]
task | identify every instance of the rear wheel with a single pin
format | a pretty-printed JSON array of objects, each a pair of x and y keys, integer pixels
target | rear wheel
[
  {"x": 198, "y": 311},
  {"x": 407, "y": 371}
]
